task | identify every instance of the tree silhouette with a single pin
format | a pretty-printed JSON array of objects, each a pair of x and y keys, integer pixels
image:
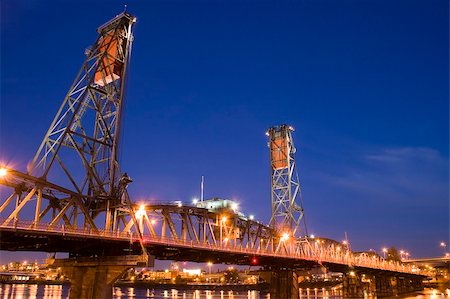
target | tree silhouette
[
  {"x": 393, "y": 255},
  {"x": 231, "y": 276}
]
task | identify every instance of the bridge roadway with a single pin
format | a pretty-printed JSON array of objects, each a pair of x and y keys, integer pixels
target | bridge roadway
[
  {"x": 442, "y": 262},
  {"x": 216, "y": 248},
  {"x": 191, "y": 233}
]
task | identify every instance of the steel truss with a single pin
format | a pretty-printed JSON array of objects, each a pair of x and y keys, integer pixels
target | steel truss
[
  {"x": 287, "y": 206},
  {"x": 197, "y": 234},
  {"x": 79, "y": 153}
]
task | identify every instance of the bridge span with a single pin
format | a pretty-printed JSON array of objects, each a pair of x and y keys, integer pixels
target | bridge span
[
  {"x": 174, "y": 231},
  {"x": 189, "y": 233}
]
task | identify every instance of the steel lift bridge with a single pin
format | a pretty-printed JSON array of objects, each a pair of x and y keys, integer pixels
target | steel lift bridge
[{"x": 73, "y": 198}]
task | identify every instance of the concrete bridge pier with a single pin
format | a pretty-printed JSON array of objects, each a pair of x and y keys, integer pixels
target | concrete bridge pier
[
  {"x": 93, "y": 277},
  {"x": 369, "y": 285},
  {"x": 352, "y": 286},
  {"x": 407, "y": 284},
  {"x": 358, "y": 285},
  {"x": 284, "y": 284},
  {"x": 391, "y": 286},
  {"x": 385, "y": 286}
]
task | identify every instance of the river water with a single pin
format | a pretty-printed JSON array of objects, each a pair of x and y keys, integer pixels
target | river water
[{"x": 25, "y": 291}]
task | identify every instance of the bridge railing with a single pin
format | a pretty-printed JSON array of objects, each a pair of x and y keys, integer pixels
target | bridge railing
[{"x": 293, "y": 250}]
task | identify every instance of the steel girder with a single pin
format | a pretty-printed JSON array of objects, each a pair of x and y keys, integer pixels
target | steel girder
[{"x": 192, "y": 233}]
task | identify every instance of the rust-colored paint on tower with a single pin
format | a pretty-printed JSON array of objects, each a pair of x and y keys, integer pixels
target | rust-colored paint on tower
[
  {"x": 110, "y": 66},
  {"x": 279, "y": 151}
]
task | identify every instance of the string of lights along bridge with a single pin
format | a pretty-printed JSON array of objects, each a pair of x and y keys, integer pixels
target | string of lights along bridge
[{"x": 77, "y": 196}]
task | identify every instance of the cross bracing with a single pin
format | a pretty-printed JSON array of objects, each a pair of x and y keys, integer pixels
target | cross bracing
[
  {"x": 167, "y": 231},
  {"x": 287, "y": 207}
]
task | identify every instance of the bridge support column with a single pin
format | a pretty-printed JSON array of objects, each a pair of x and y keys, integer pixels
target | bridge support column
[
  {"x": 369, "y": 285},
  {"x": 394, "y": 286},
  {"x": 390, "y": 286},
  {"x": 352, "y": 286},
  {"x": 408, "y": 284},
  {"x": 284, "y": 284},
  {"x": 416, "y": 283},
  {"x": 384, "y": 286},
  {"x": 93, "y": 277}
]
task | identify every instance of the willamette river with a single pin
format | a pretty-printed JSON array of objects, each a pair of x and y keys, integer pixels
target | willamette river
[{"x": 22, "y": 291}]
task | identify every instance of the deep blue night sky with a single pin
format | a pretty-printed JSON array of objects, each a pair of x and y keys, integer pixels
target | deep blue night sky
[{"x": 365, "y": 84}]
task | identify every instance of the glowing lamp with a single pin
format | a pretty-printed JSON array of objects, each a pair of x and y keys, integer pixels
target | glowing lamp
[{"x": 285, "y": 237}]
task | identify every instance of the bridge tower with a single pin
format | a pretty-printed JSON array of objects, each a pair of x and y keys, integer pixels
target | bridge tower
[
  {"x": 81, "y": 148},
  {"x": 74, "y": 182},
  {"x": 287, "y": 206}
]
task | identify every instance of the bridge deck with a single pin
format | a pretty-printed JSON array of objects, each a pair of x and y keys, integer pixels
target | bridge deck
[{"x": 22, "y": 236}]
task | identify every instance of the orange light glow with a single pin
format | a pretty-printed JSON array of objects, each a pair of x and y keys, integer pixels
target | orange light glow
[{"x": 285, "y": 237}]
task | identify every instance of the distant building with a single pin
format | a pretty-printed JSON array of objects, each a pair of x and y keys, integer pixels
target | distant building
[{"x": 218, "y": 204}]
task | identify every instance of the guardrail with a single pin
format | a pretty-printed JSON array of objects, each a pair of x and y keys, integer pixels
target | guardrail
[{"x": 298, "y": 250}]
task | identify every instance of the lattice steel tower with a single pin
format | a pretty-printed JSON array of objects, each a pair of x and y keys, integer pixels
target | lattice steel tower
[
  {"x": 81, "y": 148},
  {"x": 287, "y": 206}
]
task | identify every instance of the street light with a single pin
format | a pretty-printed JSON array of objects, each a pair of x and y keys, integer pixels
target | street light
[
  {"x": 285, "y": 237},
  {"x": 3, "y": 172},
  {"x": 384, "y": 252},
  {"x": 140, "y": 217},
  {"x": 210, "y": 265},
  {"x": 141, "y": 211},
  {"x": 443, "y": 245}
]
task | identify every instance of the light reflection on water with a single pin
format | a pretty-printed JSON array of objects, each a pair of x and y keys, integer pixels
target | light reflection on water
[
  {"x": 322, "y": 293},
  {"x": 138, "y": 293},
  {"x": 25, "y": 291},
  {"x": 33, "y": 291}
]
